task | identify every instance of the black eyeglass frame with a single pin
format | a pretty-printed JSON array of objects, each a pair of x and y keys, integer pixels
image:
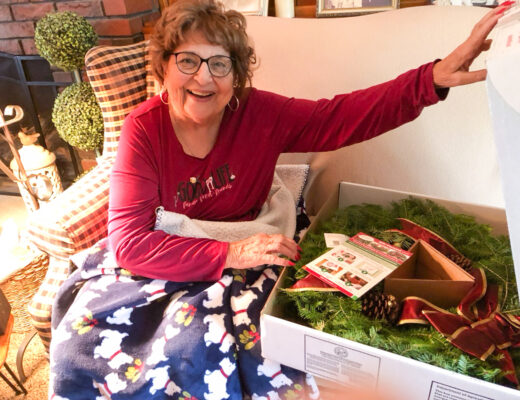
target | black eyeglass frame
[{"x": 202, "y": 60}]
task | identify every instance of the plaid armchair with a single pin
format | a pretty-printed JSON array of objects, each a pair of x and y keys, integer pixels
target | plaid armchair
[{"x": 77, "y": 219}]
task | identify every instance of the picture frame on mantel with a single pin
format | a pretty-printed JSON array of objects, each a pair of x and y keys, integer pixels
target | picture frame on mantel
[
  {"x": 248, "y": 7},
  {"x": 350, "y": 8}
]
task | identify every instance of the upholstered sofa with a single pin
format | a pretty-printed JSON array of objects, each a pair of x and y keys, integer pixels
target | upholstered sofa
[{"x": 447, "y": 152}]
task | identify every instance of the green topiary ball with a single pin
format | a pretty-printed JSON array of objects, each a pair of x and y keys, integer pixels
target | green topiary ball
[
  {"x": 63, "y": 38},
  {"x": 77, "y": 117}
]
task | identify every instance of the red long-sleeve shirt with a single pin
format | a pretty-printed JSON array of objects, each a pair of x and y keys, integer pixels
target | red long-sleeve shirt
[{"x": 232, "y": 182}]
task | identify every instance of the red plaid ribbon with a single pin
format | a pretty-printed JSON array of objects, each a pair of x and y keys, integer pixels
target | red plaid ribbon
[
  {"x": 479, "y": 329},
  {"x": 417, "y": 232}
]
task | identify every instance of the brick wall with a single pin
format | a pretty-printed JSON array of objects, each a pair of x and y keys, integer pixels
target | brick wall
[{"x": 116, "y": 22}]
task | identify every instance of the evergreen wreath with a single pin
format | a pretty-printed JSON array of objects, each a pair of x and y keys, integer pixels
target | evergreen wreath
[{"x": 335, "y": 313}]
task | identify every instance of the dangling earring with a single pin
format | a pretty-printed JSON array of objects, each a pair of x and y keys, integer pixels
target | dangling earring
[
  {"x": 237, "y": 103},
  {"x": 163, "y": 90}
]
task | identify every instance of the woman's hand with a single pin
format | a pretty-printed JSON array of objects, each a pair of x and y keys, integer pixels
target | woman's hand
[
  {"x": 454, "y": 69},
  {"x": 262, "y": 249}
]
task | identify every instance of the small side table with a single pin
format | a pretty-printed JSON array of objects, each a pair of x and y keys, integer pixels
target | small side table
[
  {"x": 27, "y": 269},
  {"x": 4, "y": 347}
]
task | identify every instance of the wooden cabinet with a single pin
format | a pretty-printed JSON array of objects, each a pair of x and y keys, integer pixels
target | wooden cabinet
[
  {"x": 413, "y": 3},
  {"x": 305, "y": 8}
]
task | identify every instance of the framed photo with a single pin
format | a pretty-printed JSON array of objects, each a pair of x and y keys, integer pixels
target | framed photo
[
  {"x": 346, "y": 8},
  {"x": 248, "y": 7},
  {"x": 481, "y": 3}
]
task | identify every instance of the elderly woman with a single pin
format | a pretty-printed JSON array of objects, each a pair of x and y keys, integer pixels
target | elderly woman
[{"x": 168, "y": 306}]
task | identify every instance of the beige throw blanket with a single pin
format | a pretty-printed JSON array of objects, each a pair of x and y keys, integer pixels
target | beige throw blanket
[{"x": 278, "y": 214}]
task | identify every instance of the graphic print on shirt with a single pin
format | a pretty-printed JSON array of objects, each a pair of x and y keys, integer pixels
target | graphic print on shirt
[{"x": 198, "y": 189}]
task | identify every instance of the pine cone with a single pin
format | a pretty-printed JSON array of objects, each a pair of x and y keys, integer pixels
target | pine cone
[
  {"x": 380, "y": 306},
  {"x": 463, "y": 262}
]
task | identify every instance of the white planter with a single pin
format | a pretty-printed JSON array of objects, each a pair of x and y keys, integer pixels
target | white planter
[{"x": 284, "y": 8}]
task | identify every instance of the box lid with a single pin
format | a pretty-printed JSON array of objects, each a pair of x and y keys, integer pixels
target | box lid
[{"x": 503, "y": 85}]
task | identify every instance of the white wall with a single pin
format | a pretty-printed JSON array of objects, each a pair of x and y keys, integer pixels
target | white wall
[{"x": 447, "y": 152}]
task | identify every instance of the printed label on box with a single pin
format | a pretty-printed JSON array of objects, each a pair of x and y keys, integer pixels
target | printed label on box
[
  {"x": 334, "y": 239},
  {"x": 341, "y": 364},
  {"x": 440, "y": 391},
  {"x": 358, "y": 265}
]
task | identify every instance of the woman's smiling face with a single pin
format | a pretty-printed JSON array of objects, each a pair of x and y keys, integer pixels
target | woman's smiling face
[{"x": 199, "y": 98}]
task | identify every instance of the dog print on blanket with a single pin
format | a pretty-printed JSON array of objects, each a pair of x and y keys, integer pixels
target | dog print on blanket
[
  {"x": 217, "y": 380},
  {"x": 267, "y": 274},
  {"x": 217, "y": 332},
  {"x": 174, "y": 304},
  {"x": 161, "y": 381},
  {"x": 155, "y": 289},
  {"x": 240, "y": 304},
  {"x": 314, "y": 391},
  {"x": 216, "y": 292},
  {"x": 110, "y": 348},
  {"x": 102, "y": 283},
  {"x": 113, "y": 384},
  {"x": 157, "y": 353},
  {"x": 273, "y": 370},
  {"x": 272, "y": 395},
  {"x": 121, "y": 316}
]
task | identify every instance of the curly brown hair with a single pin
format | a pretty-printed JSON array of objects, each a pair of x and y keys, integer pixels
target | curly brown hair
[{"x": 220, "y": 27}]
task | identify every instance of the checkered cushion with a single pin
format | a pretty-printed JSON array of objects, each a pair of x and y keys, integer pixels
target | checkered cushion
[
  {"x": 152, "y": 86},
  {"x": 41, "y": 305},
  {"x": 78, "y": 218},
  {"x": 118, "y": 77}
]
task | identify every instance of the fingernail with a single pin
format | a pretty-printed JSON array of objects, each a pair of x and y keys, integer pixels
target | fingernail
[
  {"x": 291, "y": 263},
  {"x": 507, "y": 3},
  {"x": 299, "y": 248},
  {"x": 298, "y": 257},
  {"x": 500, "y": 12}
]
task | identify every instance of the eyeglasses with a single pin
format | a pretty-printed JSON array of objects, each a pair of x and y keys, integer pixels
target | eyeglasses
[{"x": 189, "y": 63}]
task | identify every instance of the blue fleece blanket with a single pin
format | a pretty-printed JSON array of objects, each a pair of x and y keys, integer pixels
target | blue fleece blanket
[{"x": 128, "y": 337}]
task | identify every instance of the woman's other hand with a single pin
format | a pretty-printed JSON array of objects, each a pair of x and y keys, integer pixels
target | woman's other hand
[
  {"x": 262, "y": 249},
  {"x": 454, "y": 69}
]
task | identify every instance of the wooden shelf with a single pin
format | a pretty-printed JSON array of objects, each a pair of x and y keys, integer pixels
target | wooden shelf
[
  {"x": 413, "y": 3},
  {"x": 306, "y": 11}
]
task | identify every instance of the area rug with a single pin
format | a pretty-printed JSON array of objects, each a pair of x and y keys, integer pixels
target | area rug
[{"x": 36, "y": 368}]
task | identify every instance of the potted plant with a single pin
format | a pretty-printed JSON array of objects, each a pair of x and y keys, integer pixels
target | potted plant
[
  {"x": 63, "y": 39},
  {"x": 77, "y": 117}
]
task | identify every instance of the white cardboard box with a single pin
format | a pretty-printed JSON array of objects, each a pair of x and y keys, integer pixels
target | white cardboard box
[
  {"x": 503, "y": 86},
  {"x": 351, "y": 363}
]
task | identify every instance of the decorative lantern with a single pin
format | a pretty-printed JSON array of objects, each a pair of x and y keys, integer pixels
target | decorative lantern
[
  {"x": 16, "y": 113},
  {"x": 40, "y": 170}
]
